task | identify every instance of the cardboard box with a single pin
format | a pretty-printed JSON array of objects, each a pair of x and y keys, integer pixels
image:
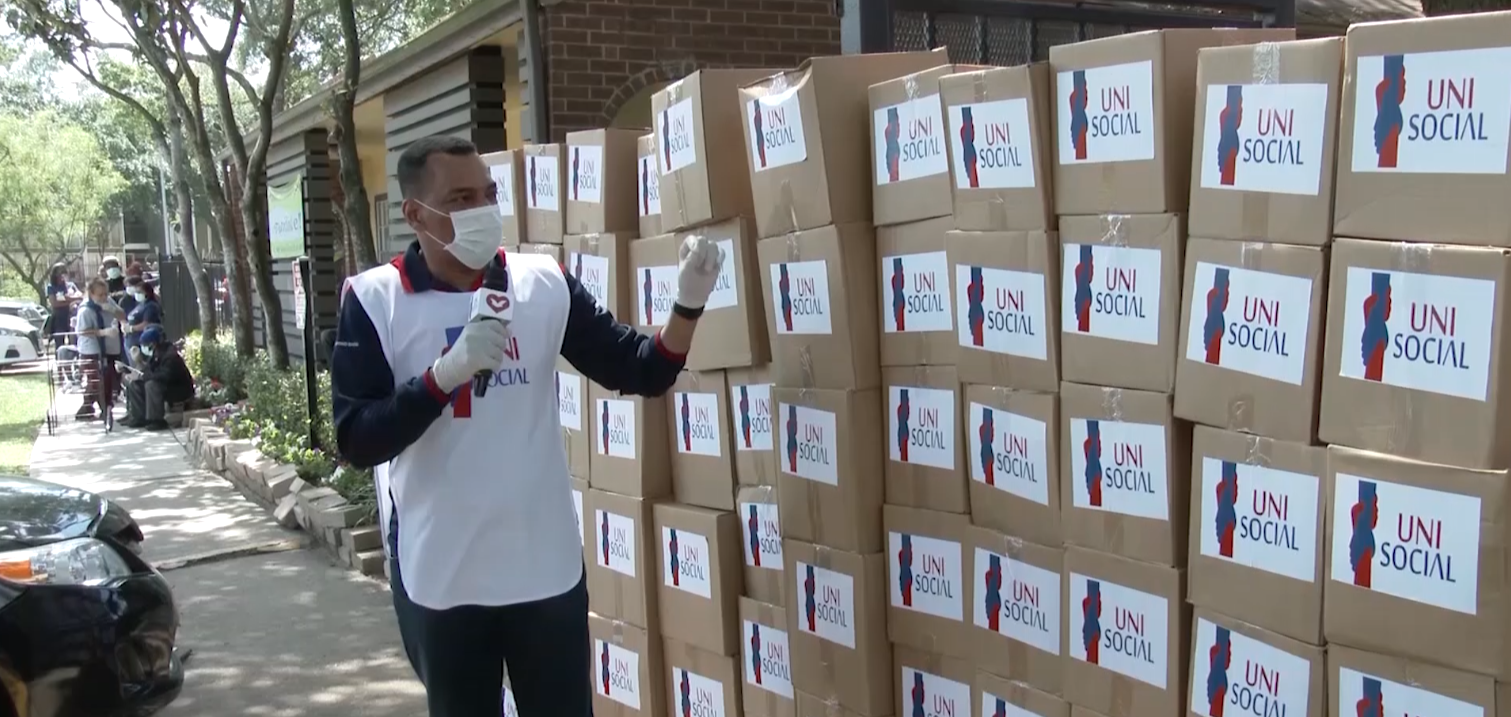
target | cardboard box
[
  {"x": 828, "y": 465},
  {"x": 551, "y": 250},
  {"x": 932, "y": 684},
  {"x": 1358, "y": 681},
  {"x": 702, "y": 471},
  {"x": 1120, "y": 300},
  {"x": 751, "y": 421},
  {"x": 621, "y": 576},
  {"x": 1438, "y": 170},
  {"x": 1237, "y": 668},
  {"x": 700, "y": 576},
  {"x": 1268, "y": 174},
  {"x": 1251, "y": 328},
  {"x": 1421, "y": 548},
  {"x": 699, "y": 151},
  {"x": 811, "y": 706},
  {"x": 761, "y": 533},
  {"x": 925, "y": 467},
  {"x": 629, "y": 444},
  {"x": 545, "y": 181},
  {"x": 598, "y": 194},
  {"x": 926, "y": 577},
  {"x": 909, "y": 156},
  {"x": 1434, "y": 393},
  {"x": 767, "y": 655},
  {"x": 1015, "y": 461},
  {"x": 1128, "y": 480},
  {"x": 823, "y": 319},
  {"x": 702, "y": 682},
  {"x": 1257, "y": 523},
  {"x": 994, "y": 694},
  {"x": 1002, "y": 180},
  {"x": 648, "y": 186},
  {"x": 1007, "y": 308},
  {"x": 1123, "y": 111},
  {"x": 627, "y": 670},
  {"x": 808, "y": 154},
  {"x": 1127, "y": 633},
  {"x": 572, "y": 404},
  {"x": 732, "y": 331},
  {"x": 838, "y": 627},
  {"x": 601, "y": 263},
  {"x": 579, "y": 495},
  {"x": 918, "y": 317},
  {"x": 507, "y": 168},
  {"x": 1016, "y": 608}
]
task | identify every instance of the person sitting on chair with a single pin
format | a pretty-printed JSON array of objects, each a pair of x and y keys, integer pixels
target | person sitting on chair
[{"x": 160, "y": 378}]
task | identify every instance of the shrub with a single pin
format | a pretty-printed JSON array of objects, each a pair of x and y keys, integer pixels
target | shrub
[{"x": 219, "y": 373}]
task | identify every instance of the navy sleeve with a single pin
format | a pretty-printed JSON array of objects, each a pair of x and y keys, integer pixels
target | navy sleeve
[
  {"x": 612, "y": 354},
  {"x": 374, "y": 422}
]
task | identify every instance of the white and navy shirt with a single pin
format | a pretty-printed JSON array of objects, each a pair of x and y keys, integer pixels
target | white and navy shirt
[{"x": 481, "y": 508}]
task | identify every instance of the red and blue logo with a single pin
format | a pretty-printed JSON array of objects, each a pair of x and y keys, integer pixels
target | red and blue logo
[
  {"x": 904, "y": 413},
  {"x": 576, "y": 155},
  {"x": 1372, "y": 704},
  {"x": 792, "y": 439},
  {"x": 645, "y": 188},
  {"x": 534, "y": 195},
  {"x": 1228, "y": 142},
  {"x": 685, "y": 689},
  {"x": 975, "y": 306},
  {"x": 1390, "y": 93},
  {"x": 968, "y": 146},
  {"x": 1091, "y": 448},
  {"x": 810, "y": 606},
  {"x": 899, "y": 297},
  {"x": 1376, "y": 335},
  {"x": 687, "y": 425},
  {"x": 784, "y": 290},
  {"x": 1226, "y": 519},
  {"x": 676, "y": 563},
  {"x": 754, "y": 524},
  {"x": 1365, "y": 515},
  {"x": 993, "y": 592},
  {"x": 1091, "y": 621},
  {"x": 648, "y": 289},
  {"x": 603, "y": 421},
  {"x": 905, "y": 570},
  {"x": 1000, "y": 710},
  {"x": 1080, "y": 124},
  {"x": 760, "y": 136},
  {"x": 1219, "y": 658},
  {"x": 987, "y": 433},
  {"x": 603, "y": 661},
  {"x": 745, "y": 414},
  {"x": 577, "y": 266},
  {"x": 1083, "y": 273},
  {"x": 1217, "y": 322},
  {"x": 666, "y": 143},
  {"x": 893, "y": 133},
  {"x": 755, "y": 651},
  {"x": 603, "y": 530},
  {"x": 918, "y": 694}
]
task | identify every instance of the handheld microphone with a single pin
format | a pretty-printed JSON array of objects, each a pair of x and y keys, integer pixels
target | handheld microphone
[{"x": 491, "y": 302}]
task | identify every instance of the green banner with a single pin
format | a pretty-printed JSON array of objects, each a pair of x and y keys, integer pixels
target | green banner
[{"x": 286, "y": 219}]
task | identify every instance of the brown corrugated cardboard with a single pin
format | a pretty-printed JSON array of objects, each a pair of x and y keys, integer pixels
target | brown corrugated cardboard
[
  {"x": 545, "y": 177},
  {"x": 1007, "y": 308},
  {"x": 1251, "y": 328},
  {"x": 572, "y": 406},
  {"x": 647, "y": 186},
  {"x": 627, "y": 670},
  {"x": 811, "y": 706},
  {"x": 702, "y": 471},
  {"x": 1426, "y": 160},
  {"x": 761, "y": 534},
  {"x": 1420, "y": 548},
  {"x": 1430, "y": 384},
  {"x": 1127, "y": 633},
  {"x": 808, "y": 151},
  {"x": 1001, "y": 163},
  {"x": 926, "y": 578},
  {"x": 700, "y": 576},
  {"x": 1014, "y": 456},
  {"x": 1253, "y": 671},
  {"x": 925, "y": 466},
  {"x": 1365, "y": 682},
  {"x": 931, "y": 683},
  {"x": 822, "y": 318},
  {"x": 598, "y": 164},
  {"x": 1017, "y": 611},
  {"x": 700, "y": 151},
  {"x": 838, "y": 628},
  {"x": 751, "y": 420},
  {"x": 507, "y": 168},
  {"x": 910, "y": 175},
  {"x": 1266, "y": 127},
  {"x": 917, "y": 315},
  {"x": 551, "y": 250},
  {"x": 828, "y": 463},
  {"x": 767, "y": 655},
  {"x": 701, "y": 682},
  {"x": 622, "y": 576},
  {"x": 1123, "y": 112},
  {"x": 1127, "y": 479},
  {"x": 579, "y": 495},
  {"x": 601, "y": 263},
  {"x": 630, "y": 444},
  {"x": 732, "y": 331},
  {"x": 1257, "y": 519},
  {"x": 1120, "y": 300},
  {"x": 994, "y": 694}
]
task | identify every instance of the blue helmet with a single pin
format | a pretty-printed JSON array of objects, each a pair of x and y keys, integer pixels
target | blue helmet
[{"x": 154, "y": 335}]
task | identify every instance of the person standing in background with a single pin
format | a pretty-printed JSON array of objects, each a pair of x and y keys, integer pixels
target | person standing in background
[
  {"x": 62, "y": 296},
  {"x": 144, "y": 313},
  {"x": 99, "y": 346}
]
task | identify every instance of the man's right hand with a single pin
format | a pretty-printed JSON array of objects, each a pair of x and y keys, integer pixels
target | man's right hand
[{"x": 479, "y": 348}]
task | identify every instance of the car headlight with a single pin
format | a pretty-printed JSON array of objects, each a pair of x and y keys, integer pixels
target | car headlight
[
  {"x": 11, "y": 332},
  {"x": 82, "y": 561}
]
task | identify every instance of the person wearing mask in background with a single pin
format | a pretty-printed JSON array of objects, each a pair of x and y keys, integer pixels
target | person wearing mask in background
[
  {"x": 144, "y": 313},
  {"x": 115, "y": 278},
  {"x": 158, "y": 377},
  {"x": 99, "y": 346},
  {"x": 62, "y": 296},
  {"x": 487, "y": 568}
]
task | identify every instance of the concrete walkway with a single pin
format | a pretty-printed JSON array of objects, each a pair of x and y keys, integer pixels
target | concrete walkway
[{"x": 273, "y": 634}]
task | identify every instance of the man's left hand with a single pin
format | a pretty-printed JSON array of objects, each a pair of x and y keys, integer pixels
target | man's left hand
[{"x": 700, "y": 261}]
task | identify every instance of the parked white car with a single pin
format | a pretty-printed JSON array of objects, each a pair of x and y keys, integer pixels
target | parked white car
[
  {"x": 29, "y": 310},
  {"x": 20, "y": 342}
]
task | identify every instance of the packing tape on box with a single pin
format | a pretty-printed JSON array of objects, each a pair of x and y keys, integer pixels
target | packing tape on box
[
  {"x": 978, "y": 85},
  {"x": 828, "y": 652},
  {"x": 1114, "y": 230},
  {"x": 1122, "y": 696},
  {"x": 674, "y": 95},
  {"x": 910, "y": 88},
  {"x": 785, "y": 201},
  {"x": 1266, "y": 63},
  {"x": 1257, "y": 450},
  {"x": 618, "y": 629},
  {"x": 1392, "y": 428},
  {"x": 1112, "y": 404},
  {"x": 1240, "y": 413}
]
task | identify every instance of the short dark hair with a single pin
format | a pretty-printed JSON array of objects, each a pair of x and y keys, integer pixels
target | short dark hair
[{"x": 412, "y": 162}]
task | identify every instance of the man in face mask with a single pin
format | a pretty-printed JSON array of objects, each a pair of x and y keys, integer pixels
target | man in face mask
[
  {"x": 115, "y": 278},
  {"x": 157, "y": 378},
  {"x": 485, "y": 551}
]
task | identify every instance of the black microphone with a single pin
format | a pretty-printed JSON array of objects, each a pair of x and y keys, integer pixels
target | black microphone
[{"x": 491, "y": 302}]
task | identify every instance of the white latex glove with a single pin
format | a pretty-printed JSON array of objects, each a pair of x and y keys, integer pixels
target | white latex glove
[
  {"x": 698, "y": 266},
  {"x": 111, "y": 330},
  {"x": 479, "y": 348},
  {"x": 136, "y": 354}
]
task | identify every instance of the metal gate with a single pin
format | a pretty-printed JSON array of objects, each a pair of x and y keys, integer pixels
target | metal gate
[{"x": 176, "y": 297}]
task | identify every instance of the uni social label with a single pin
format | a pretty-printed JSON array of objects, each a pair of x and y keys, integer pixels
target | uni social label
[
  {"x": 1106, "y": 114},
  {"x": 685, "y": 562},
  {"x": 1017, "y": 600},
  {"x": 810, "y": 443},
  {"x": 929, "y": 695},
  {"x": 1418, "y": 331},
  {"x": 1119, "y": 628},
  {"x": 993, "y": 145},
  {"x": 592, "y": 272},
  {"x": 1111, "y": 292},
  {"x": 800, "y": 297},
  {"x": 768, "y": 658},
  {"x": 1445, "y": 112},
  {"x": 1258, "y": 517},
  {"x": 995, "y": 706},
  {"x": 569, "y": 400},
  {"x": 655, "y": 292},
  {"x": 697, "y": 423},
  {"x": 826, "y": 601},
  {"x": 762, "y": 526},
  {"x": 917, "y": 294},
  {"x": 1001, "y": 311},
  {"x": 923, "y": 426},
  {"x": 585, "y": 166},
  {"x": 618, "y": 673},
  {"x": 1249, "y": 321},
  {"x": 750, "y": 415},
  {"x": 1119, "y": 467},
  {"x": 1009, "y": 452},
  {"x": 675, "y": 134},
  {"x": 776, "y": 130},
  {"x": 1236, "y": 675},
  {"x": 648, "y": 187},
  {"x": 1409, "y": 542},
  {"x": 909, "y": 140},
  {"x": 616, "y": 428},
  {"x": 577, "y": 511},
  {"x": 695, "y": 694},
  {"x": 616, "y": 541},
  {"x": 503, "y": 181},
  {"x": 926, "y": 575},
  {"x": 1264, "y": 138},
  {"x": 1370, "y": 696},
  {"x": 542, "y": 183},
  {"x": 726, "y": 291}
]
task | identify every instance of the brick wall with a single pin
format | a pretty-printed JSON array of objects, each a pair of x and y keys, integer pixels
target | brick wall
[{"x": 600, "y": 53}]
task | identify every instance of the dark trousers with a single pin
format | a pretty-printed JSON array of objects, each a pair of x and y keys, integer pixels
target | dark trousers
[
  {"x": 460, "y": 654},
  {"x": 146, "y": 401}
]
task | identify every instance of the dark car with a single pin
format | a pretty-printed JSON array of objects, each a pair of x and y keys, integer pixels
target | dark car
[{"x": 87, "y": 627}]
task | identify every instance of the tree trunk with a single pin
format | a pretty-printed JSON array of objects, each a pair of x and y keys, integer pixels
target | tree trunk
[
  {"x": 204, "y": 292},
  {"x": 358, "y": 222},
  {"x": 254, "y": 218},
  {"x": 225, "y": 220}
]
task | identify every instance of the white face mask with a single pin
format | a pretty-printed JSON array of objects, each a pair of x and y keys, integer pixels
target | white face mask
[
  {"x": 147, "y": 350},
  {"x": 113, "y": 273},
  {"x": 137, "y": 295},
  {"x": 477, "y": 234}
]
